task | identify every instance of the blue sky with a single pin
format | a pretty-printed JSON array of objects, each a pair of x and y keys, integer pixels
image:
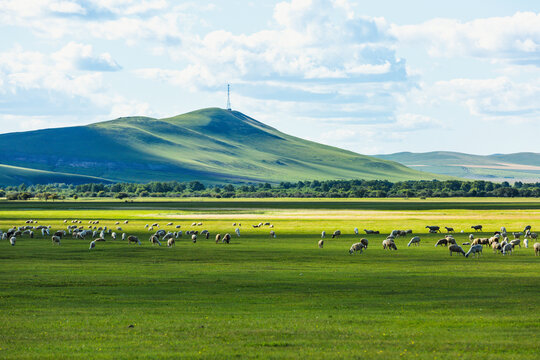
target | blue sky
[{"x": 372, "y": 77}]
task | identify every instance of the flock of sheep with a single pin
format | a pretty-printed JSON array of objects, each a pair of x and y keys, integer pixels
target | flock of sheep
[
  {"x": 504, "y": 246},
  {"x": 499, "y": 241},
  {"x": 101, "y": 233}
]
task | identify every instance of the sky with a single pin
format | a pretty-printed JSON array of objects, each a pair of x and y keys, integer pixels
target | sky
[{"x": 374, "y": 77}]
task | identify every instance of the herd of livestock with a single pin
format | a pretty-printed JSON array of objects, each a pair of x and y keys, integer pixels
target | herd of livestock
[{"x": 498, "y": 241}]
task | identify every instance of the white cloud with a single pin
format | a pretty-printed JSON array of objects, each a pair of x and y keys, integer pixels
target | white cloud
[
  {"x": 80, "y": 56},
  {"x": 513, "y": 38}
]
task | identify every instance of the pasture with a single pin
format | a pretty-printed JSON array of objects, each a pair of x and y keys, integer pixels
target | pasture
[{"x": 263, "y": 297}]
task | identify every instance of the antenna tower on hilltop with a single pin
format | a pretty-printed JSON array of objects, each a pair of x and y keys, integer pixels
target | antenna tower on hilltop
[{"x": 229, "y": 97}]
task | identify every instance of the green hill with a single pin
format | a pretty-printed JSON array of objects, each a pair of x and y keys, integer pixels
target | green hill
[
  {"x": 14, "y": 175},
  {"x": 498, "y": 167},
  {"x": 211, "y": 145}
]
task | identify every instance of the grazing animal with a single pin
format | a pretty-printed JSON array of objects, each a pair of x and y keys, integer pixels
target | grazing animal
[
  {"x": 454, "y": 248},
  {"x": 170, "y": 242},
  {"x": 272, "y": 234},
  {"x": 356, "y": 247},
  {"x": 517, "y": 235},
  {"x": 536, "y": 247},
  {"x": 433, "y": 228},
  {"x": 170, "y": 224},
  {"x": 431, "y": 231},
  {"x": 356, "y": 231},
  {"x": 408, "y": 231},
  {"x": 477, "y": 227},
  {"x": 133, "y": 239},
  {"x": 227, "y": 238},
  {"x": 12, "y": 240},
  {"x": 507, "y": 249},
  {"x": 526, "y": 243},
  {"x": 414, "y": 241},
  {"x": 527, "y": 228},
  {"x": 237, "y": 231},
  {"x": 371, "y": 232},
  {"x": 442, "y": 242},
  {"x": 99, "y": 239},
  {"x": 336, "y": 234},
  {"x": 496, "y": 246},
  {"x": 449, "y": 229},
  {"x": 155, "y": 240},
  {"x": 364, "y": 242},
  {"x": 450, "y": 239},
  {"x": 92, "y": 245},
  {"x": 55, "y": 240},
  {"x": 389, "y": 244},
  {"x": 475, "y": 249},
  {"x": 218, "y": 238},
  {"x": 194, "y": 238},
  {"x": 178, "y": 226},
  {"x": 323, "y": 234},
  {"x": 321, "y": 243},
  {"x": 515, "y": 242}
]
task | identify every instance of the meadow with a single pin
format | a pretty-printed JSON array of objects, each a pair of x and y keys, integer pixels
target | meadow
[{"x": 263, "y": 297}]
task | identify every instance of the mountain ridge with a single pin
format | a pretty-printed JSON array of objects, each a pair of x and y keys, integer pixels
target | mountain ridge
[{"x": 211, "y": 145}]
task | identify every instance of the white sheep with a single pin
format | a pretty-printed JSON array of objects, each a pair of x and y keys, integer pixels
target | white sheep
[
  {"x": 170, "y": 242},
  {"x": 55, "y": 240},
  {"x": 155, "y": 240},
  {"x": 515, "y": 242},
  {"x": 336, "y": 234},
  {"x": 323, "y": 234},
  {"x": 133, "y": 239},
  {"x": 321, "y": 243},
  {"x": 194, "y": 238},
  {"x": 356, "y": 231},
  {"x": 536, "y": 247},
  {"x": 475, "y": 249},
  {"x": 389, "y": 244},
  {"x": 92, "y": 245},
  {"x": 507, "y": 249},
  {"x": 272, "y": 234},
  {"x": 454, "y": 248},
  {"x": 237, "y": 231},
  {"x": 415, "y": 240},
  {"x": 356, "y": 247},
  {"x": 12, "y": 240}
]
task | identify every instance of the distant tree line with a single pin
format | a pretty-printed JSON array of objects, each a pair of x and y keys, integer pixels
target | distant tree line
[{"x": 301, "y": 189}]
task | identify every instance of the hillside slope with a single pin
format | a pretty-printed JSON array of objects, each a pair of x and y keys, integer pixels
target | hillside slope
[
  {"x": 212, "y": 145},
  {"x": 498, "y": 167}
]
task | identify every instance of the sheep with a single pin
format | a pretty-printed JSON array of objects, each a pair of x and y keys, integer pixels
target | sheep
[
  {"x": 389, "y": 244},
  {"x": 218, "y": 238},
  {"x": 237, "y": 231},
  {"x": 119, "y": 228},
  {"x": 356, "y": 247},
  {"x": 126, "y": 221},
  {"x": 442, "y": 242},
  {"x": 92, "y": 245},
  {"x": 55, "y": 240},
  {"x": 477, "y": 227},
  {"x": 226, "y": 238},
  {"x": 170, "y": 224},
  {"x": 356, "y": 231},
  {"x": 99, "y": 239},
  {"x": 449, "y": 229},
  {"x": 408, "y": 231},
  {"x": 536, "y": 248},
  {"x": 450, "y": 239},
  {"x": 321, "y": 243},
  {"x": 194, "y": 238},
  {"x": 431, "y": 231},
  {"x": 496, "y": 246},
  {"x": 517, "y": 235},
  {"x": 394, "y": 233},
  {"x": 336, "y": 234},
  {"x": 113, "y": 235},
  {"x": 323, "y": 234},
  {"x": 364, "y": 242},
  {"x": 123, "y": 236},
  {"x": 133, "y": 239},
  {"x": 507, "y": 249},
  {"x": 178, "y": 226},
  {"x": 456, "y": 248},
  {"x": 266, "y": 224},
  {"x": 515, "y": 242},
  {"x": 12, "y": 240},
  {"x": 155, "y": 240},
  {"x": 527, "y": 228},
  {"x": 433, "y": 228},
  {"x": 207, "y": 235},
  {"x": 168, "y": 236},
  {"x": 255, "y": 226},
  {"x": 475, "y": 249},
  {"x": 503, "y": 229},
  {"x": 160, "y": 233},
  {"x": 371, "y": 232},
  {"x": 414, "y": 241},
  {"x": 155, "y": 225},
  {"x": 272, "y": 234},
  {"x": 117, "y": 223},
  {"x": 170, "y": 242},
  {"x": 178, "y": 234},
  {"x": 526, "y": 243}
]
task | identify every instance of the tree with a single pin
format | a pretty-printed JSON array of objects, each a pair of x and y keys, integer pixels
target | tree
[{"x": 121, "y": 195}]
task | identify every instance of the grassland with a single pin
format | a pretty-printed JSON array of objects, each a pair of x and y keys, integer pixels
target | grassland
[{"x": 276, "y": 298}]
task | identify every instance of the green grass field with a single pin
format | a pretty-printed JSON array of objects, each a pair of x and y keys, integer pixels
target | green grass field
[{"x": 276, "y": 298}]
